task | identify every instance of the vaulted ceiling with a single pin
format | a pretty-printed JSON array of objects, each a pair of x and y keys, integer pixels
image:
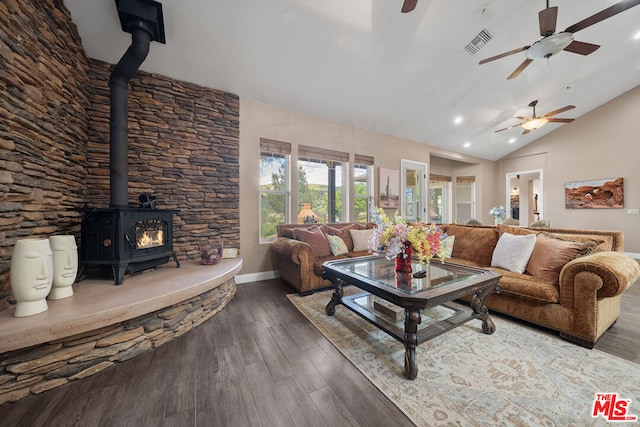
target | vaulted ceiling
[{"x": 366, "y": 64}]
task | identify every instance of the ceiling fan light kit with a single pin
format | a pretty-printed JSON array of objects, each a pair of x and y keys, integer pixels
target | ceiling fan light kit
[
  {"x": 551, "y": 44},
  {"x": 534, "y": 124}
]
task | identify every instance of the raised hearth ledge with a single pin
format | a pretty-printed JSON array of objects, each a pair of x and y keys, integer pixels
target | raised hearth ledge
[{"x": 99, "y": 303}]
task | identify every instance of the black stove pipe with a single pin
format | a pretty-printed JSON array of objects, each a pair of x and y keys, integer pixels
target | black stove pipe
[{"x": 141, "y": 36}]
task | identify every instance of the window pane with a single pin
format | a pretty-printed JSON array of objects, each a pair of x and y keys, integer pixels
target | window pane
[
  {"x": 464, "y": 212},
  {"x": 438, "y": 201},
  {"x": 272, "y": 172},
  {"x": 272, "y": 213},
  {"x": 465, "y": 201},
  {"x": 320, "y": 185},
  {"x": 361, "y": 193},
  {"x": 273, "y": 193}
]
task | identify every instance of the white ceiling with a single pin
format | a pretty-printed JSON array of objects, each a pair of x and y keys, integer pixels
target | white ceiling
[{"x": 363, "y": 63}]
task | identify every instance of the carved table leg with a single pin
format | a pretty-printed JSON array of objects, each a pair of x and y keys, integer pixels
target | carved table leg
[
  {"x": 336, "y": 298},
  {"x": 411, "y": 321},
  {"x": 482, "y": 313}
]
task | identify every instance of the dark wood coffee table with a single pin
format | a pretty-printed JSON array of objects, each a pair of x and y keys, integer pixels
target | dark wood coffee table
[{"x": 385, "y": 289}]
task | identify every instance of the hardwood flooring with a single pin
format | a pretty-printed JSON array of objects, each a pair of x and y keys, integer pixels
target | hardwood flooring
[{"x": 259, "y": 362}]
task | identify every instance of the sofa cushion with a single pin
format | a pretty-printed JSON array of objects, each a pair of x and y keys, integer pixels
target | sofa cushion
[
  {"x": 518, "y": 231},
  {"x": 337, "y": 245},
  {"x": 528, "y": 287},
  {"x": 344, "y": 233},
  {"x": 289, "y": 233},
  {"x": 361, "y": 239},
  {"x": 475, "y": 244},
  {"x": 315, "y": 238},
  {"x": 513, "y": 252},
  {"x": 551, "y": 253}
]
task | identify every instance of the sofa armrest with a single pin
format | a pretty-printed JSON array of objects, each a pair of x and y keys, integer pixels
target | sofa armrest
[
  {"x": 607, "y": 273},
  {"x": 295, "y": 251}
]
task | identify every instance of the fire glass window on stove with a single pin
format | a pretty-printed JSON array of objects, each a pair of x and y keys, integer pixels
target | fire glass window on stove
[{"x": 150, "y": 233}]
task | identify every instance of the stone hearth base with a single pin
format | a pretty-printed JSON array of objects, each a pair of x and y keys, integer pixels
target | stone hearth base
[{"x": 103, "y": 324}]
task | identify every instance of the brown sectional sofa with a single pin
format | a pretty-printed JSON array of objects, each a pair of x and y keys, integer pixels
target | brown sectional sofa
[
  {"x": 299, "y": 264},
  {"x": 579, "y": 299}
]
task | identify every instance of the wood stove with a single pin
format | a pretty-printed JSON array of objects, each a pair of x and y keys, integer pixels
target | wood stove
[{"x": 127, "y": 238}]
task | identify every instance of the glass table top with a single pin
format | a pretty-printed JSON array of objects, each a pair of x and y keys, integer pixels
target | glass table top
[{"x": 382, "y": 271}]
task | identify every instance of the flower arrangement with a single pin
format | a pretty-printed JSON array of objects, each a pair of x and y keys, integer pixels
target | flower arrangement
[
  {"x": 497, "y": 212},
  {"x": 391, "y": 236}
]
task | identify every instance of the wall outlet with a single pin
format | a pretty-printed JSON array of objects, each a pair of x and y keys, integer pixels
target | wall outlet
[{"x": 633, "y": 211}]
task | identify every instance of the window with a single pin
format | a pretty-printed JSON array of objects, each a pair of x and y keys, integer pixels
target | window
[
  {"x": 362, "y": 188},
  {"x": 439, "y": 198},
  {"x": 321, "y": 178},
  {"x": 274, "y": 182},
  {"x": 465, "y": 198}
]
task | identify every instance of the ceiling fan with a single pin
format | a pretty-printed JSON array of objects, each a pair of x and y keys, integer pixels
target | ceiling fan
[
  {"x": 534, "y": 122},
  {"x": 552, "y": 42},
  {"x": 409, "y": 5}
]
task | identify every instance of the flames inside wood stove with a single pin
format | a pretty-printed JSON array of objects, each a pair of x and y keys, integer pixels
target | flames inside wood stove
[{"x": 126, "y": 239}]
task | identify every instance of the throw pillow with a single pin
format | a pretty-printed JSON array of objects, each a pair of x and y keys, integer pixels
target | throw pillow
[
  {"x": 550, "y": 254},
  {"x": 447, "y": 244},
  {"x": 337, "y": 245},
  {"x": 475, "y": 244},
  {"x": 361, "y": 239},
  {"x": 316, "y": 239},
  {"x": 344, "y": 233},
  {"x": 513, "y": 252}
]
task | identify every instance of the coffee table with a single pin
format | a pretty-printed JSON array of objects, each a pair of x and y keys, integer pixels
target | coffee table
[{"x": 385, "y": 289}]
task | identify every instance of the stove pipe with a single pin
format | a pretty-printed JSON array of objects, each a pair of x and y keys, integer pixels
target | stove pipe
[
  {"x": 118, "y": 139},
  {"x": 144, "y": 20}
]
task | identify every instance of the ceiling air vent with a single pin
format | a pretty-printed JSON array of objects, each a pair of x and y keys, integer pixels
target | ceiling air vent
[{"x": 478, "y": 42}]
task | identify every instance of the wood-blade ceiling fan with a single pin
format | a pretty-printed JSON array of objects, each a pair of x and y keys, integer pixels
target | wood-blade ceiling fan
[
  {"x": 551, "y": 42},
  {"x": 534, "y": 122},
  {"x": 409, "y": 5}
]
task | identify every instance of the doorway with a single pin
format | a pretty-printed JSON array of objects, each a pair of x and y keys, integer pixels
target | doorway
[
  {"x": 524, "y": 197},
  {"x": 413, "y": 191}
]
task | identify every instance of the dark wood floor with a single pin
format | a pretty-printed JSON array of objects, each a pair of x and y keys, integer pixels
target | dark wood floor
[{"x": 259, "y": 362}]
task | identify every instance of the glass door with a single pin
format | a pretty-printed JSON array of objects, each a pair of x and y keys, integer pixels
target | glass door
[{"x": 413, "y": 192}]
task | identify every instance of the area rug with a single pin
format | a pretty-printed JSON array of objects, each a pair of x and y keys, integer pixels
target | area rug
[{"x": 519, "y": 376}]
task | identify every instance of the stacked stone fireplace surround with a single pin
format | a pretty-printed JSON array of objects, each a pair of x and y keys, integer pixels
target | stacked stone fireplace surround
[{"x": 54, "y": 151}]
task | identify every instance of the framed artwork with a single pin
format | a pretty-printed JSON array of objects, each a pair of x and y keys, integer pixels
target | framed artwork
[
  {"x": 389, "y": 188},
  {"x": 594, "y": 194}
]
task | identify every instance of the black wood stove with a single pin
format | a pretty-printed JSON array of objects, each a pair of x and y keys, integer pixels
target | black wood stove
[{"x": 129, "y": 239}]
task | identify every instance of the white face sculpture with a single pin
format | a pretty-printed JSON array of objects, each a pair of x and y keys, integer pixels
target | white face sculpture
[
  {"x": 65, "y": 260},
  {"x": 31, "y": 270}
]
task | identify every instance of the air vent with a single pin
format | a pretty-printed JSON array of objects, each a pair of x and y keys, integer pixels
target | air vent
[{"x": 478, "y": 42}]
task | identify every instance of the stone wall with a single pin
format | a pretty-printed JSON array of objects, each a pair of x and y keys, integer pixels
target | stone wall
[
  {"x": 50, "y": 365},
  {"x": 43, "y": 124},
  {"x": 54, "y": 139},
  {"x": 183, "y": 147}
]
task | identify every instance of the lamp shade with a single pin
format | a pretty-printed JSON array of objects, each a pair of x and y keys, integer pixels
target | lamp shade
[{"x": 534, "y": 124}]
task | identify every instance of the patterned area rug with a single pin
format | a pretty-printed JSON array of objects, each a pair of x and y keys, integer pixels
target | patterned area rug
[{"x": 519, "y": 376}]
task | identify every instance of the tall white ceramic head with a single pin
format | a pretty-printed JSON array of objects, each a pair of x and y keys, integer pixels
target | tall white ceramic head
[
  {"x": 65, "y": 266},
  {"x": 31, "y": 276}
]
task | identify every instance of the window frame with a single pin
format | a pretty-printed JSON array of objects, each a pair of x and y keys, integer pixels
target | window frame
[{"x": 274, "y": 149}]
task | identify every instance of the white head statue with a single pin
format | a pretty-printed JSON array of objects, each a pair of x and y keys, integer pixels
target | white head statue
[
  {"x": 65, "y": 266},
  {"x": 31, "y": 276}
]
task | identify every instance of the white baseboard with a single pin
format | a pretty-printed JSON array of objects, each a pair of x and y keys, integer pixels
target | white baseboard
[
  {"x": 257, "y": 277},
  {"x": 633, "y": 255}
]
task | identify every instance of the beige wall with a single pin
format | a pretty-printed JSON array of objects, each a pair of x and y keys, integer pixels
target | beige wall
[
  {"x": 258, "y": 120},
  {"x": 600, "y": 144},
  {"x": 603, "y": 143}
]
